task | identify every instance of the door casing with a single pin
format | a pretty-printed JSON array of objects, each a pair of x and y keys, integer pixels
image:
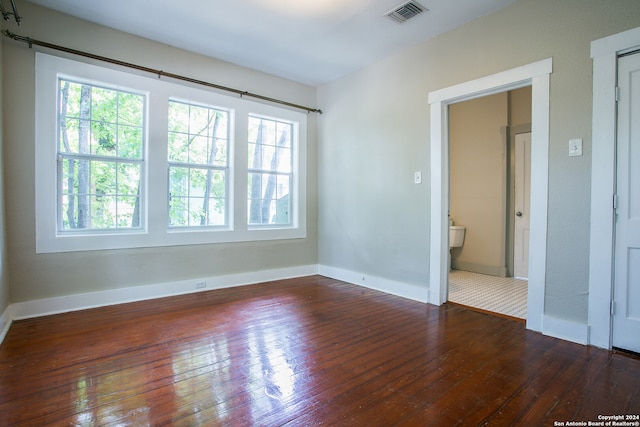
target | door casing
[{"x": 535, "y": 75}]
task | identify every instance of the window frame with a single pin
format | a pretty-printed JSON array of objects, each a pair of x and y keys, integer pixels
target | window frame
[
  {"x": 208, "y": 167},
  {"x": 291, "y": 175},
  {"x": 91, "y": 157},
  {"x": 155, "y": 230}
]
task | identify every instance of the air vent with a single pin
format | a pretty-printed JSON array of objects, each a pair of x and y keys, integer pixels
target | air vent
[{"x": 405, "y": 12}]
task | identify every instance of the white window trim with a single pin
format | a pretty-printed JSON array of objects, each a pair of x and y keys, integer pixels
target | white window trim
[{"x": 155, "y": 231}]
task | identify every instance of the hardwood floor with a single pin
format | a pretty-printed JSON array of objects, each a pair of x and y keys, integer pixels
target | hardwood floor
[{"x": 302, "y": 352}]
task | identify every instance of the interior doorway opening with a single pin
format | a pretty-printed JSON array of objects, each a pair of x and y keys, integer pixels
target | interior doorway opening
[
  {"x": 535, "y": 75},
  {"x": 489, "y": 193}
]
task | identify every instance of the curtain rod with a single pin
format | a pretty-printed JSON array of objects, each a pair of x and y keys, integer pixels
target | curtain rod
[{"x": 159, "y": 73}]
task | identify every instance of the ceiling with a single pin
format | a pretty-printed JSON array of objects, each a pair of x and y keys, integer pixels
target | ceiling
[{"x": 309, "y": 41}]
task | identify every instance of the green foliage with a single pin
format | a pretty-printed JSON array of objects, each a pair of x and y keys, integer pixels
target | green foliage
[
  {"x": 109, "y": 189},
  {"x": 101, "y": 145},
  {"x": 197, "y": 154}
]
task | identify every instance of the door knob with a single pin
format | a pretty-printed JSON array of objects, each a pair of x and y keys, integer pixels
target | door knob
[{"x": 518, "y": 213}]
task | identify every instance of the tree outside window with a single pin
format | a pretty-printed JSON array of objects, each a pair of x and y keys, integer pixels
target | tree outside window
[
  {"x": 100, "y": 157},
  {"x": 198, "y": 160},
  {"x": 270, "y": 171}
]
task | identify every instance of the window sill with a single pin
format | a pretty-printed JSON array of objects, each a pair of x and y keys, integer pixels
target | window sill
[{"x": 94, "y": 242}]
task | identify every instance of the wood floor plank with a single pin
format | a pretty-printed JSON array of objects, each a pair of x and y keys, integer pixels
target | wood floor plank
[{"x": 301, "y": 352}]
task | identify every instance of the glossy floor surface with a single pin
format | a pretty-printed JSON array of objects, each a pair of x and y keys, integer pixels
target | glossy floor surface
[{"x": 302, "y": 352}]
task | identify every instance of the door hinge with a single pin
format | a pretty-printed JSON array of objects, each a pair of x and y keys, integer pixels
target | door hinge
[
  {"x": 612, "y": 308},
  {"x": 617, "y": 93},
  {"x": 615, "y": 201}
]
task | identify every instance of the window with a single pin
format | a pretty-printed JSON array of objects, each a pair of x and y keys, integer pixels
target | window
[
  {"x": 100, "y": 162},
  {"x": 125, "y": 161},
  {"x": 270, "y": 171},
  {"x": 198, "y": 147}
]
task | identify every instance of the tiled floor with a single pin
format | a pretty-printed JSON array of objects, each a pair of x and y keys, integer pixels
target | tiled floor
[{"x": 504, "y": 295}]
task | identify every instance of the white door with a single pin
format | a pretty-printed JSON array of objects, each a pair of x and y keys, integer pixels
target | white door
[
  {"x": 626, "y": 294},
  {"x": 522, "y": 211}
]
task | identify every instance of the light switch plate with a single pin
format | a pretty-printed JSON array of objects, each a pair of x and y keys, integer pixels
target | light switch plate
[
  {"x": 417, "y": 178},
  {"x": 575, "y": 147}
]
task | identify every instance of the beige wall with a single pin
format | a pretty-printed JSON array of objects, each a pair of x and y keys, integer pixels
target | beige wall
[
  {"x": 378, "y": 223},
  {"x": 520, "y": 108},
  {"x": 35, "y": 276},
  {"x": 478, "y": 187}
]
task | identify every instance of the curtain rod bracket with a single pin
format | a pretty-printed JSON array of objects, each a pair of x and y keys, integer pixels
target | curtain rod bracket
[{"x": 6, "y": 15}]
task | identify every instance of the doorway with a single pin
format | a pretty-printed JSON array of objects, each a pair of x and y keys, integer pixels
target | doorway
[
  {"x": 489, "y": 187},
  {"x": 535, "y": 75}
]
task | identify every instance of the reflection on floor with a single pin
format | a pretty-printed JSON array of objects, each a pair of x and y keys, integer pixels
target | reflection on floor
[{"x": 504, "y": 295}]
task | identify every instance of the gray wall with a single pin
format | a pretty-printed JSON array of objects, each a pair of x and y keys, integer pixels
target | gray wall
[
  {"x": 35, "y": 276},
  {"x": 375, "y": 134}
]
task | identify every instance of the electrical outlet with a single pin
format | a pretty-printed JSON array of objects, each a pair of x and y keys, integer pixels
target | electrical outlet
[{"x": 201, "y": 285}]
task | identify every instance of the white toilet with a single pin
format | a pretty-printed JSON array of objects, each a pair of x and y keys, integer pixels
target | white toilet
[{"x": 456, "y": 238}]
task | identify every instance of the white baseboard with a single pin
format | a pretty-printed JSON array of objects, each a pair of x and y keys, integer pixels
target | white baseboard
[
  {"x": 565, "y": 329},
  {"x": 392, "y": 287},
  {"x": 552, "y": 326},
  {"x": 43, "y": 307},
  {"x": 5, "y": 323}
]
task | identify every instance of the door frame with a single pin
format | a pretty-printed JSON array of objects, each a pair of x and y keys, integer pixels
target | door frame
[
  {"x": 604, "y": 53},
  {"x": 535, "y": 75}
]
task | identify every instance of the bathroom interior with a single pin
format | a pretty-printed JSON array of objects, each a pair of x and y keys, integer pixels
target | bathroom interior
[{"x": 489, "y": 178}]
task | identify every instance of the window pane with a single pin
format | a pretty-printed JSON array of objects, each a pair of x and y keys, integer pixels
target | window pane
[
  {"x": 178, "y": 117},
  {"x": 197, "y": 197},
  {"x": 68, "y": 135},
  {"x": 284, "y": 160},
  {"x": 178, "y": 181},
  {"x": 270, "y": 164},
  {"x": 199, "y": 150},
  {"x": 178, "y": 211},
  {"x": 198, "y": 136},
  {"x": 98, "y": 195},
  {"x": 130, "y": 142},
  {"x": 130, "y": 109},
  {"x": 93, "y": 123},
  {"x": 104, "y": 178},
  {"x": 103, "y": 211},
  {"x": 104, "y": 104},
  {"x": 128, "y": 179},
  {"x": 220, "y": 157},
  {"x": 100, "y": 121},
  {"x": 269, "y": 201},
  {"x": 178, "y": 147},
  {"x": 127, "y": 211},
  {"x": 103, "y": 139}
]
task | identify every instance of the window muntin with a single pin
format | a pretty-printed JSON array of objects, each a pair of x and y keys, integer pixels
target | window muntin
[
  {"x": 100, "y": 157},
  {"x": 270, "y": 171},
  {"x": 198, "y": 146}
]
